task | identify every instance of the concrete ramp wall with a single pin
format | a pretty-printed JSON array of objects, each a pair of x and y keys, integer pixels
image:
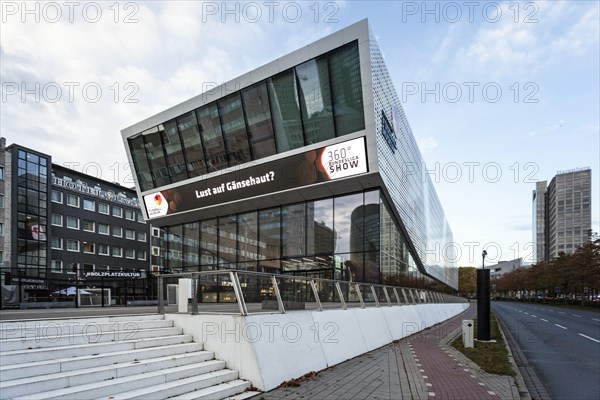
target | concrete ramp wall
[{"x": 268, "y": 349}]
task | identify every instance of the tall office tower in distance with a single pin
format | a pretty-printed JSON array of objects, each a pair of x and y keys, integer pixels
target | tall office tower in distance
[{"x": 562, "y": 214}]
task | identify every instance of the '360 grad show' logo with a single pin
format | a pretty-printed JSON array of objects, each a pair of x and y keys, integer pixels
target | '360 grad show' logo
[{"x": 344, "y": 159}]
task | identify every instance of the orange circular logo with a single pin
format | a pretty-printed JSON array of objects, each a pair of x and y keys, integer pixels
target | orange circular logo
[{"x": 158, "y": 199}]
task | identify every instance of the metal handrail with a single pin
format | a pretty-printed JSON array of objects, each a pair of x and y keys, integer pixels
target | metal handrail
[{"x": 417, "y": 295}]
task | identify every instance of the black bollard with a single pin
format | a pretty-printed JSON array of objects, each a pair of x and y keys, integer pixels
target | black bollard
[{"x": 483, "y": 304}]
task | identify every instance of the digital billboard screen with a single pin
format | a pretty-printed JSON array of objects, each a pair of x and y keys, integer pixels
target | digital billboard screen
[{"x": 328, "y": 163}]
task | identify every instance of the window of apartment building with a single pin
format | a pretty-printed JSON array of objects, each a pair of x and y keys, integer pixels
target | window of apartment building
[
  {"x": 103, "y": 208},
  {"x": 89, "y": 247},
  {"x": 56, "y": 243},
  {"x": 72, "y": 245},
  {"x": 129, "y": 234},
  {"x": 1, "y": 256},
  {"x": 103, "y": 249},
  {"x": 1, "y": 201},
  {"x": 117, "y": 212},
  {"x": 57, "y": 196},
  {"x": 1, "y": 173},
  {"x": 140, "y": 217},
  {"x": 142, "y": 254},
  {"x": 141, "y": 236},
  {"x": 57, "y": 220},
  {"x": 130, "y": 253},
  {"x": 1, "y": 229},
  {"x": 117, "y": 231},
  {"x": 56, "y": 265},
  {"x": 103, "y": 229},
  {"x": 72, "y": 222},
  {"x": 117, "y": 251},
  {"x": 89, "y": 205},
  {"x": 129, "y": 214},
  {"x": 72, "y": 200},
  {"x": 89, "y": 226}
]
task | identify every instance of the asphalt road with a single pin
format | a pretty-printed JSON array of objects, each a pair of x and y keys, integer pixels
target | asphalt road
[{"x": 562, "y": 344}]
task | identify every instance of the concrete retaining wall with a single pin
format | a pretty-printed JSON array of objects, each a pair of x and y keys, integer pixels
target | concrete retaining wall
[{"x": 269, "y": 349}]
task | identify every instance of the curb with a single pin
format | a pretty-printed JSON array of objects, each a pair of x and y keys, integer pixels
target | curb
[{"x": 532, "y": 382}]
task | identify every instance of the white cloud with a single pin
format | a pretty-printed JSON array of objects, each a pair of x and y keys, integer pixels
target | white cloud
[{"x": 427, "y": 144}]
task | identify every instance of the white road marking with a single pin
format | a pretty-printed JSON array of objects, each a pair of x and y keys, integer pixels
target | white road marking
[
  {"x": 533, "y": 316},
  {"x": 560, "y": 312},
  {"x": 575, "y": 315},
  {"x": 587, "y": 337},
  {"x": 545, "y": 320},
  {"x": 595, "y": 319},
  {"x": 560, "y": 326}
]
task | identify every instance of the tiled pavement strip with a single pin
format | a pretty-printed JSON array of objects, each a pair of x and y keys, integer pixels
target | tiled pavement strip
[{"x": 422, "y": 366}]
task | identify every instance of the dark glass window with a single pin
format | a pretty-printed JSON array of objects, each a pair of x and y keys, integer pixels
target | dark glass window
[
  {"x": 228, "y": 241},
  {"x": 210, "y": 130},
  {"x": 248, "y": 237},
  {"x": 285, "y": 111},
  {"x": 319, "y": 227},
  {"x": 293, "y": 219},
  {"x": 234, "y": 129},
  {"x": 315, "y": 100},
  {"x": 344, "y": 68},
  {"x": 258, "y": 116},
  {"x": 174, "y": 153},
  {"x": 348, "y": 229},
  {"x": 208, "y": 245},
  {"x": 174, "y": 236},
  {"x": 190, "y": 138},
  {"x": 156, "y": 157},
  {"x": 191, "y": 246},
  {"x": 269, "y": 234}
]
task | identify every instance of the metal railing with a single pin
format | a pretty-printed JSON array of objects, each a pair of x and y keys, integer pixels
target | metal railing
[{"x": 265, "y": 292}]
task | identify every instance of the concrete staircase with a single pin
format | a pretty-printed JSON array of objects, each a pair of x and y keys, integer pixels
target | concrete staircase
[{"x": 119, "y": 357}]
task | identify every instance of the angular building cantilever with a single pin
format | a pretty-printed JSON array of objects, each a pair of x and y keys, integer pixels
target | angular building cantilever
[{"x": 303, "y": 166}]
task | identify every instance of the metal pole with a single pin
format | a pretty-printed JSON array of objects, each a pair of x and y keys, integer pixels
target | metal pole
[
  {"x": 375, "y": 296},
  {"x": 483, "y": 301},
  {"x": 161, "y": 300},
  {"x": 341, "y": 294},
  {"x": 313, "y": 285}
]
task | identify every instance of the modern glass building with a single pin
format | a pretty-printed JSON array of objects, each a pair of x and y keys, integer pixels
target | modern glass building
[{"x": 303, "y": 166}]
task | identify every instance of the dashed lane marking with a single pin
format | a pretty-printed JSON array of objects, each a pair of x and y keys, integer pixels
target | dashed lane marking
[
  {"x": 587, "y": 337},
  {"x": 560, "y": 326}
]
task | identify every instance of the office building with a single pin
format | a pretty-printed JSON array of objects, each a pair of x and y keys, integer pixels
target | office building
[
  {"x": 62, "y": 228},
  {"x": 297, "y": 167},
  {"x": 565, "y": 205}
]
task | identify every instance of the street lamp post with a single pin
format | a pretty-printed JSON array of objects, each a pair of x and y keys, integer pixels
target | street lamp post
[{"x": 483, "y": 301}]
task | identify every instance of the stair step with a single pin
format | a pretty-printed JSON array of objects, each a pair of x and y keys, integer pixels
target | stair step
[
  {"x": 174, "y": 388},
  {"x": 248, "y": 394},
  {"x": 93, "y": 336},
  {"x": 30, "y": 369},
  {"x": 33, "y": 323},
  {"x": 52, "y": 330},
  {"x": 113, "y": 387},
  {"x": 28, "y": 385},
  {"x": 49, "y": 353},
  {"x": 220, "y": 391}
]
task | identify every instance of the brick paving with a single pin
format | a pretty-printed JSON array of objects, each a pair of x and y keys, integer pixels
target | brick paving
[{"x": 423, "y": 366}]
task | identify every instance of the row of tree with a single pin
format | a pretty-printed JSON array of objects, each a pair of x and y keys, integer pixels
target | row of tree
[{"x": 573, "y": 276}]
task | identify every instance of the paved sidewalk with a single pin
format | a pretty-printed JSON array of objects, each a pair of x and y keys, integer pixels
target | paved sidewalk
[{"x": 422, "y": 366}]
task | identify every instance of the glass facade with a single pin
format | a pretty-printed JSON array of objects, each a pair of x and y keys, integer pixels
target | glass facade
[
  {"x": 312, "y": 102},
  {"x": 32, "y": 187},
  {"x": 404, "y": 175},
  {"x": 384, "y": 226},
  {"x": 351, "y": 237}
]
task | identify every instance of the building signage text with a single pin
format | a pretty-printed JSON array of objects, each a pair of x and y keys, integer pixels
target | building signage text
[
  {"x": 103, "y": 194},
  {"x": 328, "y": 163}
]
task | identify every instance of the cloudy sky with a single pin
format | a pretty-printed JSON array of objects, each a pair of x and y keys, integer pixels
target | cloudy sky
[{"x": 498, "y": 95}]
